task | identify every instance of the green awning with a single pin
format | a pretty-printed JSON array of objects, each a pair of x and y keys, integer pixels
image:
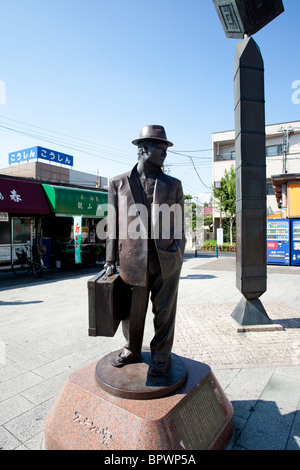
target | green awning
[{"x": 68, "y": 202}]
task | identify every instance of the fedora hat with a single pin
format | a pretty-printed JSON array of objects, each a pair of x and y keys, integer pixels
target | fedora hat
[{"x": 153, "y": 133}]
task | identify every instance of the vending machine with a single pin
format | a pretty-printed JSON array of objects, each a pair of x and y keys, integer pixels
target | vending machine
[
  {"x": 295, "y": 242},
  {"x": 278, "y": 241}
]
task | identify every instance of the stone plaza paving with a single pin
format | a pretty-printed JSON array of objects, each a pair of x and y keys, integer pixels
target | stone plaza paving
[{"x": 44, "y": 337}]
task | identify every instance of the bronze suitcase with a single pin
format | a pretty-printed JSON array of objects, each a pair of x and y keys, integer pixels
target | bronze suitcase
[{"x": 109, "y": 301}]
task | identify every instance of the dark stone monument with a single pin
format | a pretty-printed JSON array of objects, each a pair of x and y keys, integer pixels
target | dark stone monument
[
  {"x": 241, "y": 18},
  {"x": 251, "y": 268}
]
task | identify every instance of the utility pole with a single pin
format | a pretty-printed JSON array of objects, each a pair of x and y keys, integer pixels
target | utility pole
[{"x": 287, "y": 132}]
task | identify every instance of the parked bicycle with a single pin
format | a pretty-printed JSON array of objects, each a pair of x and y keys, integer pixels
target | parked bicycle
[{"x": 23, "y": 264}]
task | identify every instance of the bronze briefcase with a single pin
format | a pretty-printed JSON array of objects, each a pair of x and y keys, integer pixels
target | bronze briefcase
[{"x": 109, "y": 301}]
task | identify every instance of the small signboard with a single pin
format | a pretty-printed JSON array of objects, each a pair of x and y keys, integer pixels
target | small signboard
[
  {"x": 77, "y": 238},
  {"x": 4, "y": 217},
  {"x": 220, "y": 236}
]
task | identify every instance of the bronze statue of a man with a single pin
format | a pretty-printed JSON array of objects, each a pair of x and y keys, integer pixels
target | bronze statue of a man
[{"x": 146, "y": 233}]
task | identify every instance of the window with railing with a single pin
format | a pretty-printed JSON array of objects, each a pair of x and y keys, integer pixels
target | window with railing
[
  {"x": 271, "y": 151},
  {"x": 225, "y": 156}
]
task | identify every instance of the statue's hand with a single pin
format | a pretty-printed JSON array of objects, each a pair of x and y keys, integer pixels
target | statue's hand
[{"x": 110, "y": 267}]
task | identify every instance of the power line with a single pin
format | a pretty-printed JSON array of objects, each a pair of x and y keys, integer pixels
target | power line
[
  {"x": 185, "y": 155},
  {"x": 90, "y": 144},
  {"x": 85, "y": 146},
  {"x": 192, "y": 151},
  {"x": 196, "y": 171},
  {"x": 194, "y": 166},
  {"x": 68, "y": 146},
  {"x": 75, "y": 144}
]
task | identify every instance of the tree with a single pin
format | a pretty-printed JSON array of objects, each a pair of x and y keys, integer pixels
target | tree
[
  {"x": 225, "y": 197},
  {"x": 188, "y": 213},
  {"x": 191, "y": 211}
]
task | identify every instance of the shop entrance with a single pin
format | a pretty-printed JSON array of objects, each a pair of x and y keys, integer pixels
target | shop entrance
[
  {"x": 5, "y": 240},
  {"x": 16, "y": 234},
  {"x": 22, "y": 235}
]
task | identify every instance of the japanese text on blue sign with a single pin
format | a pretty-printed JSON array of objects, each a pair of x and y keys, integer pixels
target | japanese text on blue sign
[{"x": 40, "y": 152}]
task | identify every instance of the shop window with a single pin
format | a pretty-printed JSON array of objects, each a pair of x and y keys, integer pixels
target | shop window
[
  {"x": 5, "y": 241},
  {"x": 21, "y": 230}
]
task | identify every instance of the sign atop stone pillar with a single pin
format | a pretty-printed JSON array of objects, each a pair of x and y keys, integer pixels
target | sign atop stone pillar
[{"x": 240, "y": 17}]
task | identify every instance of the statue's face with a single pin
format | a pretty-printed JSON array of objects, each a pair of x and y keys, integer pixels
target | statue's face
[{"x": 156, "y": 153}]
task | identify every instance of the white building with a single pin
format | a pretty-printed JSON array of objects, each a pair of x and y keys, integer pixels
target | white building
[
  {"x": 42, "y": 171},
  {"x": 282, "y": 156}
]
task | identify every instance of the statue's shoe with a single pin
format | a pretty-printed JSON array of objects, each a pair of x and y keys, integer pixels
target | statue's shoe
[{"x": 124, "y": 358}]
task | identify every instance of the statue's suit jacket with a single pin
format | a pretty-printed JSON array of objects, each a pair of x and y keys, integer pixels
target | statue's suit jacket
[{"x": 125, "y": 218}]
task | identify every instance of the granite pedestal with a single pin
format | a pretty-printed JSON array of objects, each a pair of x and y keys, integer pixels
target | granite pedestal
[{"x": 195, "y": 416}]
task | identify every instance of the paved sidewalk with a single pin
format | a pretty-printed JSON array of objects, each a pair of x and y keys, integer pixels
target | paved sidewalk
[{"x": 43, "y": 338}]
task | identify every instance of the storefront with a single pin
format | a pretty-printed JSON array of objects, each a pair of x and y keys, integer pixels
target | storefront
[
  {"x": 22, "y": 206},
  {"x": 71, "y": 207}
]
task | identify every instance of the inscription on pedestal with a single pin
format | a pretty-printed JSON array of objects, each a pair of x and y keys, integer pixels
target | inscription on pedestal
[
  {"x": 105, "y": 435},
  {"x": 199, "y": 418}
]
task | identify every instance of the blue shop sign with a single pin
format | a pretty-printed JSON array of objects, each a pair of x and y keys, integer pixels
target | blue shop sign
[
  {"x": 40, "y": 152},
  {"x": 22, "y": 155}
]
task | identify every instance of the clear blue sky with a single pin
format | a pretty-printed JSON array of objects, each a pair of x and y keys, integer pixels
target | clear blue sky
[{"x": 98, "y": 70}]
